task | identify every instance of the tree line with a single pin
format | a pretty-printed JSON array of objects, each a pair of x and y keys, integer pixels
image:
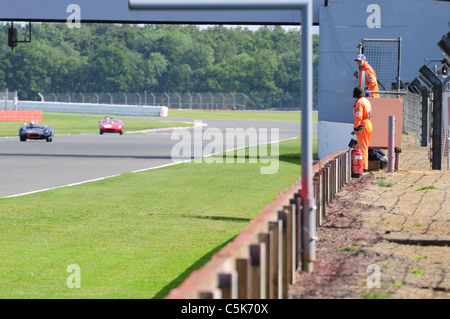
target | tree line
[{"x": 153, "y": 58}]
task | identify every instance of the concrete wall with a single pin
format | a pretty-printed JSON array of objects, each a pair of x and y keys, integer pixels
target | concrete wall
[{"x": 334, "y": 135}]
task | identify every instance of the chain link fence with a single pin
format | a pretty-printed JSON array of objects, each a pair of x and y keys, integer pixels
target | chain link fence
[
  {"x": 445, "y": 150},
  {"x": 198, "y": 101},
  {"x": 412, "y": 114},
  {"x": 8, "y": 100},
  {"x": 384, "y": 56}
]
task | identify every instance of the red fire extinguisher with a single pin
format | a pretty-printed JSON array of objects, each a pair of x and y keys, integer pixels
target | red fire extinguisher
[{"x": 357, "y": 163}]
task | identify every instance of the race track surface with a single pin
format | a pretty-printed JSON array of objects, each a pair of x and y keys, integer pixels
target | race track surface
[{"x": 33, "y": 166}]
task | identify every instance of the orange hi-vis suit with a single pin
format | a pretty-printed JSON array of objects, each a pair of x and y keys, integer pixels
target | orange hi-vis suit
[
  {"x": 362, "y": 113},
  {"x": 371, "y": 79}
]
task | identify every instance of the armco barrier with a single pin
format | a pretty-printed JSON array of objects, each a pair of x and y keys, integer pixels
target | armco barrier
[
  {"x": 262, "y": 260},
  {"x": 105, "y": 109}
]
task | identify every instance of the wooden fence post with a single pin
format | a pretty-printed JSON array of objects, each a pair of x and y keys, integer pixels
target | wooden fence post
[
  {"x": 243, "y": 269},
  {"x": 228, "y": 285},
  {"x": 258, "y": 270},
  {"x": 276, "y": 229}
]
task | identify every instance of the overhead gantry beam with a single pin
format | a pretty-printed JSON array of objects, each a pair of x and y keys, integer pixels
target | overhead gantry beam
[{"x": 118, "y": 11}]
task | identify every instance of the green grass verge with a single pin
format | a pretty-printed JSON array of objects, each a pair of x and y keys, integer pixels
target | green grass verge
[
  {"x": 240, "y": 115},
  {"x": 137, "y": 235}
]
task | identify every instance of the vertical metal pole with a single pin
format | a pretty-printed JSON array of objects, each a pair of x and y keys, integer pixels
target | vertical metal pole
[
  {"x": 309, "y": 209},
  {"x": 391, "y": 143},
  {"x": 437, "y": 127},
  {"x": 448, "y": 150},
  {"x": 424, "y": 127},
  {"x": 16, "y": 101},
  {"x": 305, "y": 6},
  {"x": 362, "y": 85},
  {"x": 6, "y": 99},
  {"x": 398, "y": 63}
]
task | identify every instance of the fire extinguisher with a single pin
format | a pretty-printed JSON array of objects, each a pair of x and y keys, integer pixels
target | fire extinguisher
[{"x": 357, "y": 163}]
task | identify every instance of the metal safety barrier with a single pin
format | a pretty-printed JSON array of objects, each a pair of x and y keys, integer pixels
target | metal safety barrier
[
  {"x": 105, "y": 109},
  {"x": 261, "y": 262}
]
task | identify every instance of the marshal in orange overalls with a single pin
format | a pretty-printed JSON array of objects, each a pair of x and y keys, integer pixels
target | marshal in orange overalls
[
  {"x": 362, "y": 113},
  {"x": 371, "y": 77}
]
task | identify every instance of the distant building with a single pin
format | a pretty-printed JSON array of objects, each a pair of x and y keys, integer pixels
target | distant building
[{"x": 343, "y": 24}]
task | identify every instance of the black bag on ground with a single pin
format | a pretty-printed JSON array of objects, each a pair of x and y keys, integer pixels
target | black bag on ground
[{"x": 377, "y": 154}]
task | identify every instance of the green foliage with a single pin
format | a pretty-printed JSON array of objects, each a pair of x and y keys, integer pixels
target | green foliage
[
  {"x": 154, "y": 58},
  {"x": 375, "y": 294},
  {"x": 426, "y": 188},
  {"x": 383, "y": 183},
  {"x": 349, "y": 248}
]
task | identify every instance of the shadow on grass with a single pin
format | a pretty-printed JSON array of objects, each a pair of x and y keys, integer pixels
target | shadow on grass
[
  {"x": 225, "y": 218},
  {"x": 198, "y": 264},
  {"x": 293, "y": 158}
]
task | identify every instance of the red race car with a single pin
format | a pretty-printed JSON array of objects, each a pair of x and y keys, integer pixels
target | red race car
[{"x": 110, "y": 125}]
